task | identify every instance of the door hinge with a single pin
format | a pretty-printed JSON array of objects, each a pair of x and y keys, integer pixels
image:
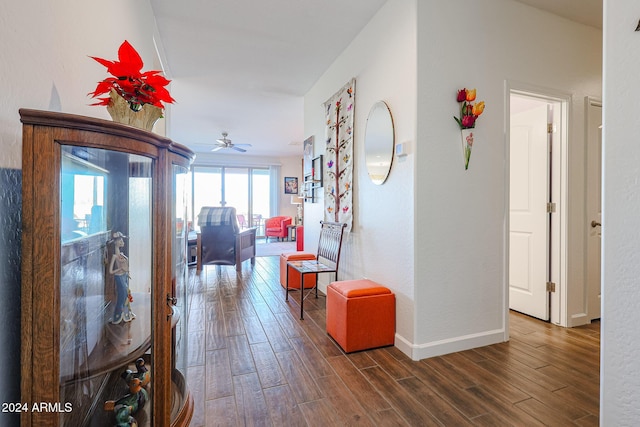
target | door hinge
[
  {"x": 551, "y": 207},
  {"x": 551, "y": 287},
  {"x": 550, "y": 128}
]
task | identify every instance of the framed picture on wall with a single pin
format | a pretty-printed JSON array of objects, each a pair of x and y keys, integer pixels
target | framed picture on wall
[
  {"x": 307, "y": 157},
  {"x": 290, "y": 185}
]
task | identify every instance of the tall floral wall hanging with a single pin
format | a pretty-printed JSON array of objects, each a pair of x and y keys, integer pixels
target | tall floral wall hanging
[
  {"x": 338, "y": 170},
  {"x": 469, "y": 113}
]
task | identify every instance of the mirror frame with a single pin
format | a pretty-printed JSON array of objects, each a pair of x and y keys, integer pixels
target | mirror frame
[{"x": 379, "y": 142}]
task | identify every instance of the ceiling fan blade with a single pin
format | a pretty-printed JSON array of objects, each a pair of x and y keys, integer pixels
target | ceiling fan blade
[
  {"x": 242, "y": 145},
  {"x": 217, "y": 148},
  {"x": 242, "y": 150}
]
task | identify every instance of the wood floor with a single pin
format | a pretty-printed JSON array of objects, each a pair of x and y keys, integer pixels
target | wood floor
[{"x": 253, "y": 362}]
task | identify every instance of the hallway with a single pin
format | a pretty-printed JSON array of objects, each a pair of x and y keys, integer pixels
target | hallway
[{"x": 253, "y": 362}]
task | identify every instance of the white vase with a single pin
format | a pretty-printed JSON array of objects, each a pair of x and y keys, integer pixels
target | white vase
[{"x": 466, "y": 136}]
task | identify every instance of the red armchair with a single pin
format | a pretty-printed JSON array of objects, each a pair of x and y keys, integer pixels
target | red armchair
[{"x": 277, "y": 227}]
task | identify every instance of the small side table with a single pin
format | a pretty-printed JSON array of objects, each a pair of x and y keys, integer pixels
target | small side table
[
  {"x": 307, "y": 267},
  {"x": 291, "y": 233}
]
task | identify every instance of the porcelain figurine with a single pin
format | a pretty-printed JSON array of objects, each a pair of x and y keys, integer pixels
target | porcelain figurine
[
  {"x": 142, "y": 373},
  {"x": 119, "y": 267},
  {"x": 125, "y": 407}
]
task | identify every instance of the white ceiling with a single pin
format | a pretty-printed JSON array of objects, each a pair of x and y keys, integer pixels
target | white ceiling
[
  {"x": 243, "y": 66},
  {"x": 588, "y": 12}
]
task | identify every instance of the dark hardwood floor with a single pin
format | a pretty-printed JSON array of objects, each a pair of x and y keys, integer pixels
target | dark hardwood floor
[{"x": 253, "y": 362}]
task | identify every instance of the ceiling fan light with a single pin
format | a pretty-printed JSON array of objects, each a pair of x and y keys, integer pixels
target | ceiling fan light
[{"x": 224, "y": 142}]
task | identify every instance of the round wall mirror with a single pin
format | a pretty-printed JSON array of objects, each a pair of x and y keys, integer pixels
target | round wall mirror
[{"x": 379, "y": 142}]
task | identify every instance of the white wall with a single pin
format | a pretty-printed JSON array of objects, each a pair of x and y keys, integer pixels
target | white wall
[
  {"x": 620, "y": 335},
  {"x": 291, "y": 166},
  {"x": 461, "y": 215},
  {"x": 380, "y": 246},
  {"x": 457, "y": 297},
  {"x": 45, "y": 65}
]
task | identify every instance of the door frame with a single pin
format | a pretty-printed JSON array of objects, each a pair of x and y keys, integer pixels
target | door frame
[
  {"x": 586, "y": 317},
  {"x": 559, "y": 170}
]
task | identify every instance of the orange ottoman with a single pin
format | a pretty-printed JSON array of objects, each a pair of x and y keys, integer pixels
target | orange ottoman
[
  {"x": 294, "y": 275},
  {"x": 361, "y": 314}
]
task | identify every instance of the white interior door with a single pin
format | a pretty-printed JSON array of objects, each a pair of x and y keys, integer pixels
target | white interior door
[
  {"x": 594, "y": 207},
  {"x": 529, "y": 220}
]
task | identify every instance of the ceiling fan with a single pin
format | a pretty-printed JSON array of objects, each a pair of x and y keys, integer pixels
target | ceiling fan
[{"x": 225, "y": 142}]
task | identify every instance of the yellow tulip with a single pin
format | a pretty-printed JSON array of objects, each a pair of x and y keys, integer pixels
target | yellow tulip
[
  {"x": 471, "y": 95},
  {"x": 478, "y": 108}
]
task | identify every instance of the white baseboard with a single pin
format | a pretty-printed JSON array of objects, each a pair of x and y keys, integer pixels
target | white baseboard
[
  {"x": 578, "y": 320},
  {"x": 452, "y": 345}
]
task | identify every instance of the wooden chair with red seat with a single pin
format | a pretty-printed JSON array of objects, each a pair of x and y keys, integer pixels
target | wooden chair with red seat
[{"x": 277, "y": 227}]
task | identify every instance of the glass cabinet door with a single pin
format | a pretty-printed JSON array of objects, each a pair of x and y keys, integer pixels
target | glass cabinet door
[
  {"x": 179, "y": 274},
  {"x": 106, "y": 286}
]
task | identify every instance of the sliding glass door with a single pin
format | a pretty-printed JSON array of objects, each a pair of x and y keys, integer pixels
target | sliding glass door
[
  {"x": 244, "y": 188},
  {"x": 236, "y": 189}
]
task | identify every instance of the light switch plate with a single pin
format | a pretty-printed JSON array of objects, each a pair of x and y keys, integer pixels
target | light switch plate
[{"x": 401, "y": 150}]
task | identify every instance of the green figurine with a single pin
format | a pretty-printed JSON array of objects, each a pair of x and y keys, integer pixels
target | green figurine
[
  {"x": 142, "y": 373},
  {"x": 129, "y": 404}
]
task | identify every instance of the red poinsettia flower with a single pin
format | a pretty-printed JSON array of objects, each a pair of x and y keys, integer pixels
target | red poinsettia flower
[{"x": 136, "y": 87}]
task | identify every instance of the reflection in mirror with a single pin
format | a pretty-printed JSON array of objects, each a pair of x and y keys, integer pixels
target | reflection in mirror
[
  {"x": 379, "y": 142},
  {"x": 82, "y": 185}
]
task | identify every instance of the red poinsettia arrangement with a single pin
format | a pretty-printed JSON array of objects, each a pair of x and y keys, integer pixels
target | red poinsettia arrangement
[
  {"x": 136, "y": 87},
  {"x": 469, "y": 112}
]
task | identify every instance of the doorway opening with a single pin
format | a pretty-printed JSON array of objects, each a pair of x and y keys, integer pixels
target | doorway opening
[{"x": 537, "y": 183}]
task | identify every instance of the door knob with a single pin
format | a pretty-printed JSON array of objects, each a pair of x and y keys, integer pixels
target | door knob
[{"x": 595, "y": 224}]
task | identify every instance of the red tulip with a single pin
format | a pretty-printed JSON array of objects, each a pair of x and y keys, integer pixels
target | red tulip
[
  {"x": 468, "y": 121},
  {"x": 462, "y": 95}
]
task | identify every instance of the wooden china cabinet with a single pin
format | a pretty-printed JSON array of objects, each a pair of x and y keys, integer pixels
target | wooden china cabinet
[{"x": 104, "y": 273}]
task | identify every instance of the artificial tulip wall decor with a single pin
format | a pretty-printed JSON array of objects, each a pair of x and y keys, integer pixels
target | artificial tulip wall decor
[{"x": 469, "y": 113}]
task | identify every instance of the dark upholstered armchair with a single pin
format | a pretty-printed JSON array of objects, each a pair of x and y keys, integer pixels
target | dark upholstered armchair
[
  {"x": 220, "y": 241},
  {"x": 277, "y": 227}
]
